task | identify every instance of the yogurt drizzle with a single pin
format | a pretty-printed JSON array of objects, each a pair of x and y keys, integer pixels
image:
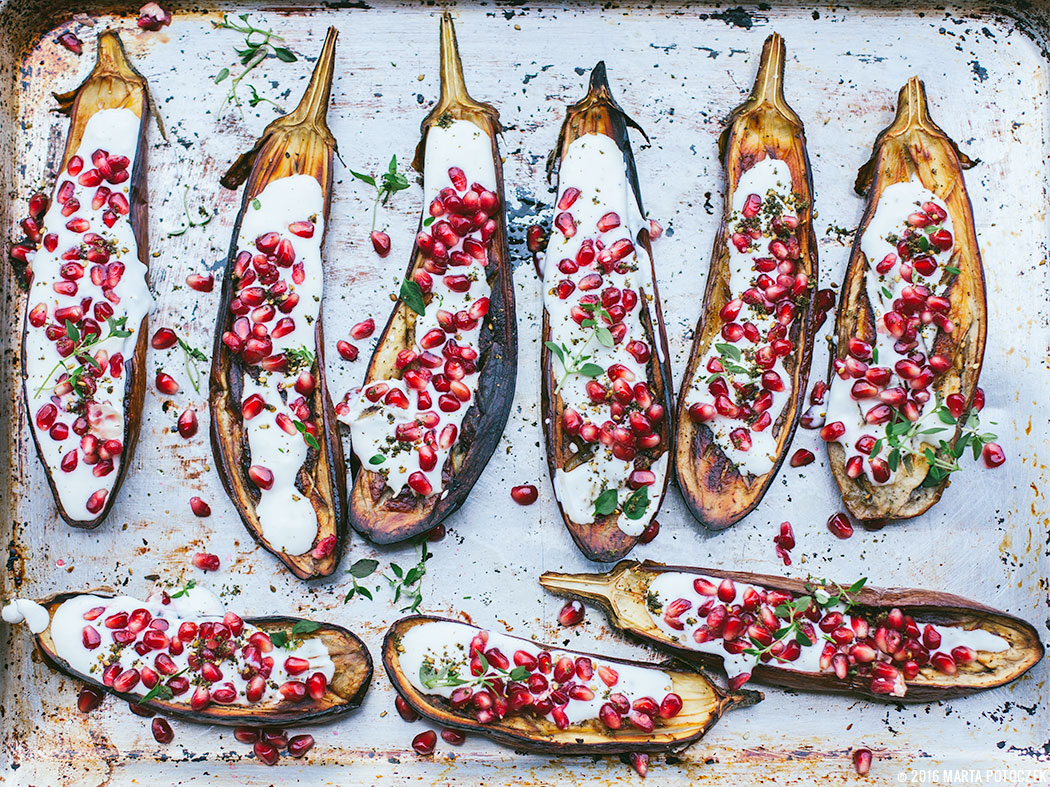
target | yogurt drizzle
[
  {"x": 594, "y": 168},
  {"x": 406, "y": 427},
  {"x": 112, "y": 282}
]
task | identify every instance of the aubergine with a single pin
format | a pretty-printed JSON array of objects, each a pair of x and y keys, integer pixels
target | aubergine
[
  {"x": 440, "y": 383},
  {"x": 71, "y": 641},
  {"x": 606, "y": 380},
  {"x": 688, "y": 704},
  {"x": 273, "y": 428},
  {"x": 757, "y": 324},
  {"x": 85, "y": 335},
  {"x": 911, "y": 325},
  {"x": 637, "y": 600}
]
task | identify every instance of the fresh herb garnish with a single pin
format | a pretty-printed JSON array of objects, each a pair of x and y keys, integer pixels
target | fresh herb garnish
[
  {"x": 185, "y": 589},
  {"x": 362, "y": 569},
  {"x": 448, "y": 677},
  {"x": 205, "y": 216},
  {"x": 192, "y": 357},
  {"x": 389, "y": 183},
  {"x": 572, "y": 364},
  {"x": 162, "y": 691},
  {"x": 308, "y": 438},
  {"x": 408, "y": 584},
  {"x": 82, "y": 345},
  {"x": 377, "y": 459},
  {"x": 412, "y": 296},
  {"x": 637, "y": 504},
  {"x": 606, "y": 502},
  {"x": 284, "y": 639},
  {"x": 258, "y": 46}
]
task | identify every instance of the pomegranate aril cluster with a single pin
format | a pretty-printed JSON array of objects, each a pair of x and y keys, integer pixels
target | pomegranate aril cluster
[{"x": 756, "y": 322}]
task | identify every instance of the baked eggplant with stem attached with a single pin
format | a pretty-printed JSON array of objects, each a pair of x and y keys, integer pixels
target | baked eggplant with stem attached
[
  {"x": 745, "y": 384},
  {"x": 440, "y": 383},
  {"x": 606, "y": 383},
  {"x": 273, "y": 429},
  {"x": 896, "y": 644},
  {"x": 911, "y": 325},
  {"x": 183, "y": 655},
  {"x": 546, "y": 699},
  {"x": 84, "y": 341}
]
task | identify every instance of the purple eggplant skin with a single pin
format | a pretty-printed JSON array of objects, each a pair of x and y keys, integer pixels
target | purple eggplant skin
[
  {"x": 706, "y": 702},
  {"x": 113, "y": 83},
  {"x": 621, "y": 592},
  {"x": 602, "y": 541},
  {"x": 375, "y": 513},
  {"x": 345, "y": 692}
]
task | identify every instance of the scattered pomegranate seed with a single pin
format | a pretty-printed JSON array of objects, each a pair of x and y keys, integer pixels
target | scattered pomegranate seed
[
  {"x": 424, "y": 742},
  {"x": 88, "y": 699},
  {"x": 993, "y": 455},
  {"x": 524, "y": 495},
  {"x": 801, "y": 458},
  {"x": 163, "y": 339},
  {"x": 162, "y": 731},
  {"x": 453, "y": 737},
  {"x": 70, "y": 41},
  {"x": 201, "y": 509},
  {"x": 363, "y": 329},
  {"x": 840, "y": 526},
  {"x": 166, "y": 384},
  {"x": 640, "y": 762},
  {"x": 153, "y": 17},
  {"x": 649, "y": 533},
  {"x": 571, "y": 613},
  {"x": 206, "y": 561},
  {"x": 405, "y": 710},
  {"x": 187, "y": 423},
  {"x": 266, "y": 752},
  {"x": 535, "y": 237},
  {"x": 201, "y": 282},
  {"x": 346, "y": 350},
  {"x": 380, "y": 242},
  {"x": 862, "y": 761}
]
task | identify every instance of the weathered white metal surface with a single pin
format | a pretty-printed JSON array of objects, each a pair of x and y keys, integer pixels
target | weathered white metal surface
[{"x": 678, "y": 70}]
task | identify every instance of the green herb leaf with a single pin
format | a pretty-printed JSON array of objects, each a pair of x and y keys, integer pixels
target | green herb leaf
[
  {"x": 556, "y": 348},
  {"x": 223, "y": 73},
  {"x": 952, "y": 270},
  {"x": 284, "y": 55},
  {"x": 185, "y": 589},
  {"x": 305, "y": 627},
  {"x": 729, "y": 351},
  {"x": 606, "y": 502},
  {"x": 279, "y": 639},
  {"x": 604, "y": 336},
  {"x": 637, "y": 504},
  {"x": 377, "y": 459},
  {"x": 364, "y": 178},
  {"x": 364, "y": 567},
  {"x": 590, "y": 370},
  {"x": 412, "y": 296},
  {"x": 256, "y": 204},
  {"x": 429, "y": 220}
]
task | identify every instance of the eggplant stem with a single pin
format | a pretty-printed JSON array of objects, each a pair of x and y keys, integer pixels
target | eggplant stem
[{"x": 594, "y": 587}]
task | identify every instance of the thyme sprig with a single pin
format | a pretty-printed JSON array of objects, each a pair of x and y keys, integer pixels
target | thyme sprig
[
  {"x": 448, "y": 677},
  {"x": 191, "y": 357},
  {"x": 573, "y": 363},
  {"x": 82, "y": 346},
  {"x": 258, "y": 46},
  {"x": 388, "y": 184},
  {"x": 189, "y": 223},
  {"x": 409, "y": 584},
  {"x": 362, "y": 569}
]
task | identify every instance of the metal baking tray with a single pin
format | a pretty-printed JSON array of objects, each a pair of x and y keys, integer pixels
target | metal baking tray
[{"x": 678, "y": 68}]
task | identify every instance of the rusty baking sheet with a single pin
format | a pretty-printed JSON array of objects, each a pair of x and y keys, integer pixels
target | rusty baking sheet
[{"x": 678, "y": 68}]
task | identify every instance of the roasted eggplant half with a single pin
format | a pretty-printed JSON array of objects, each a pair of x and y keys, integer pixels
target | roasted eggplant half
[
  {"x": 911, "y": 325},
  {"x": 182, "y": 655},
  {"x": 273, "y": 428},
  {"x": 545, "y": 699},
  {"x": 441, "y": 380},
  {"x": 84, "y": 340},
  {"x": 745, "y": 384},
  {"x": 606, "y": 383},
  {"x": 901, "y": 645}
]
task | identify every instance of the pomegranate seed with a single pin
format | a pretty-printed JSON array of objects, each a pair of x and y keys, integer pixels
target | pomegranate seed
[
  {"x": 833, "y": 431},
  {"x": 943, "y": 663},
  {"x": 162, "y": 731},
  {"x": 261, "y": 476},
  {"x": 571, "y": 613},
  {"x": 568, "y": 197},
  {"x": 163, "y": 339},
  {"x": 649, "y": 533},
  {"x": 405, "y": 710},
  {"x": 534, "y": 238},
  {"x": 199, "y": 507},
  {"x": 840, "y": 526},
  {"x": 993, "y": 455},
  {"x": 640, "y": 762},
  {"x": 166, "y": 384},
  {"x": 206, "y": 561},
  {"x": 88, "y": 699},
  {"x": 346, "y": 350},
  {"x": 726, "y": 591},
  {"x": 609, "y": 221},
  {"x": 862, "y": 761},
  {"x": 565, "y": 224},
  {"x": 424, "y": 742},
  {"x": 670, "y": 706},
  {"x": 201, "y": 282},
  {"x": 267, "y": 753},
  {"x": 187, "y": 423},
  {"x": 524, "y": 495}
]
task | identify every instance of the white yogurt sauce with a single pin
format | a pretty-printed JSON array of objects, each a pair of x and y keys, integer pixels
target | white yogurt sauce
[
  {"x": 446, "y": 642},
  {"x": 24, "y": 609},
  {"x": 595, "y": 165},
  {"x": 198, "y": 605},
  {"x": 288, "y": 519},
  {"x": 769, "y": 176},
  {"x": 116, "y": 131},
  {"x": 896, "y": 202},
  {"x": 668, "y": 586},
  {"x": 372, "y": 425}
]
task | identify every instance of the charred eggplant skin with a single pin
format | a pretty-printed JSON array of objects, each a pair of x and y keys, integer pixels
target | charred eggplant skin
[
  {"x": 484, "y": 422},
  {"x": 298, "y": 143},
  {"x": 112, "y": 83},
  {"x": 345, "y": 693},
  {"x": 539, "y": 735},
  {"x": 716, "y": 492},
  {"x": 621, "y": 591},
  {"x": 598, "y": 113},
  {"x": 913, "y": 145}
]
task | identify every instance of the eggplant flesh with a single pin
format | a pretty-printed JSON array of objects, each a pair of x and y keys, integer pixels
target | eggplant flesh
[
  {"x": 703, "y": 702},
  {"x": 627, "y": 595},
  {"x": 451, "y": 400},
  {"x": 731, "y": 441},
  {"x": 345, "y": 691},
  {"x": 916, "y": 239},
  {"x": 273, "y": 426},
  {"x": 603, "y": 359},
  {"x": 95, "y": 364}
]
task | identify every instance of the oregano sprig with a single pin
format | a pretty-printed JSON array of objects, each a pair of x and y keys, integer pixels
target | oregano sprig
[
  {"x": 388, "y": 184},
  {"x": 259, "y": 44},
  {"x": 82, "y": 345}
]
